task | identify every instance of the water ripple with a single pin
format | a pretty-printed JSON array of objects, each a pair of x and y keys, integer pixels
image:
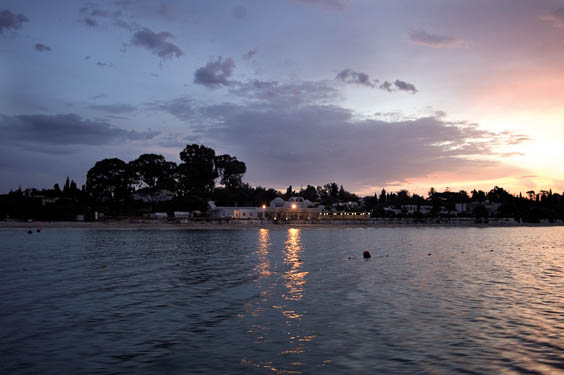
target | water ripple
[{"x": 284, "y": 301}]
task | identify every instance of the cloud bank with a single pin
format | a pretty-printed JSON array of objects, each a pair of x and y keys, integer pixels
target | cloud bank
[
  {"x": 64, "y": 130},
  {"x": 293, "y": 133}
]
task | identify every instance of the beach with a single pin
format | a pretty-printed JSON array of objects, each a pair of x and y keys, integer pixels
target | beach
[{"x": 233, "y": 225}]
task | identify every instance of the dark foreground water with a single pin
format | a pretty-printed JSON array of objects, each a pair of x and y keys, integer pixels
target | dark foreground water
[{"x": 283, "y": 301}]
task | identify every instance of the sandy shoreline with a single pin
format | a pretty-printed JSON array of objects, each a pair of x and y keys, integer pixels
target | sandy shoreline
[{"x": 114, "y": 225}]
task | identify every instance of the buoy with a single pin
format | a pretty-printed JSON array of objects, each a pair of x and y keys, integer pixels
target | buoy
[
  {"x": 29, "y": 231},
  {"x": 366, "y": 254}
]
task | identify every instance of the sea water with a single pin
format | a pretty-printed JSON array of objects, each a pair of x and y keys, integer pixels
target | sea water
[{"x": 283, "y": 301}]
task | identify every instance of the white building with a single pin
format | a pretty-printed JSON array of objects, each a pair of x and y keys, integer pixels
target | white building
[
  {"x": 228, "y": 212},
  {"x": 293, "y": 203},
  {"x": 296, "y": 208}
]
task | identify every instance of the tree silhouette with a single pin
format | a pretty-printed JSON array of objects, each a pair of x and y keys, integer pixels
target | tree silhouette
[
  {"x": 230, "y": 171},
  {"x": 152, "y": 171},
  {"x": 289, "y": 192},
  {"x": 383, "y": 197},
  {"x": 309, "y": 193},
  {"x": 109, "y": 180},
  {"x": 197, "y": 174},
  {"x": 66, "y": 186}
]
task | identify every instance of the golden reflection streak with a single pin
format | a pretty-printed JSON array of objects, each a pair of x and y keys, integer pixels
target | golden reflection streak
[
  {"x": 263, "y": 266},
  {"x": 295, "y": 278},
  {"x": 294, "y": 282},
  {"x": 262, "y": 269}
]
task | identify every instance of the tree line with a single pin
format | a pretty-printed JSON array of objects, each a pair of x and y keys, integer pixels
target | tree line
[
  {"x": 113, "y": 180},
  {"x": 531, "y": 207},
  {"x": 150, "y": 183}
]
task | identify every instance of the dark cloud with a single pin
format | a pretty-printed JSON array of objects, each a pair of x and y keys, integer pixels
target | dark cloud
[
  {"x": 64, "y": 130},
  {"x": 157, "y": 43},
  {"x": 293, "y": 132},
  {"x": 91, "y": 15},
  {"x": 286, "y": 143},
  {"x": 423, "y": 38},
  {"x": 360, "y": 78},
  {"x": 556, "y": 18},
  {"x": 11, "y": 21},
  {"x": 41, "y": 47},
  {"x": 250, "y": 54},
  {"x": 215, "y": 73},
  {"x": 404, "y": 86},
  {"x": 239, "y": 12},
  {"x": 114, "y": 108},
  {"x": 363, "y": 79}
]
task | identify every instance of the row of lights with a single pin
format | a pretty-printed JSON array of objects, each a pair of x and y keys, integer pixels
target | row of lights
[
  {"x": 294, "y": 206},
  {"x": 343, "y": 214}
]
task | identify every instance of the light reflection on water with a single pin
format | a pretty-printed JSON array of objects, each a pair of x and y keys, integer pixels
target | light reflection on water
[
  {"x": 293, "y": 280},
  {"x": 294, "y": 277},
  {"x": 283, "y": 301}
]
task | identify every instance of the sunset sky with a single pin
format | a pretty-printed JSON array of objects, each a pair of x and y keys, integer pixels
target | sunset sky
[{"x": 367, "y": 93}]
